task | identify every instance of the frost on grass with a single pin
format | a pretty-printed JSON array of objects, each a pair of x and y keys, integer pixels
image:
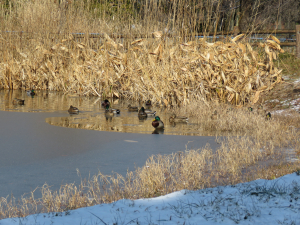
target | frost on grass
[{"x": 257, "y": 202}]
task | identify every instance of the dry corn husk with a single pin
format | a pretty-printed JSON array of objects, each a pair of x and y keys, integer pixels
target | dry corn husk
[{"x": 163, "y": 72}]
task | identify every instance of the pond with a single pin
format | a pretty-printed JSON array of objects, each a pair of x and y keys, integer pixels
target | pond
[
  {"x": 92, "y": 116},
  {"x": 33, "y": 151}
]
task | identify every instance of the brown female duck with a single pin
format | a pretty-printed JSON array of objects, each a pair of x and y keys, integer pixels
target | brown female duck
[
  {"x": 178, "y": 119},
  {"x": 18, "y": 101},
  {"x": 73, "y": 110},
  {"x": 132, "y": 108}
]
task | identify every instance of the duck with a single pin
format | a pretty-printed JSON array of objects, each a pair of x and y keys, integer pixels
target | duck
[
  {"x": 116, "y": 111},
  {"x": 179, "y": 119},
  {"x": 250, "y": 109},
  {"x": 30, "y": 92},
  {"x": 73, "y": 110},
  {"x": 150, "y": 112},
  {"x": 148, "y": 103},
  {"x": 157, "y": 123},
  {"x": 18, "y": 101},
  {"x": 142, "y": 113},
  {"x": 214, "y": 115},
  {"x": 105, "y": 103},
  {"x": 108, "y": 111},
  {"x": 132, "y": 108},
  {"x": 158, "y": 131},
  {"x": 268, "y": 116}
]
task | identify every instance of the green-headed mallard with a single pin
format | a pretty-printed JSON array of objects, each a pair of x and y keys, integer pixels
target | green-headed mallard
[
  {"x": 105, "y": 103},
  {"x": 150, "y": 112},
  {"x": 18, "y": 101},
  {"x": 178, "y": 119},
  {"x": 268, "y": 116},
  {"x": 73, "y": 110},
  {"x": 108, "y": 111},
  {"x": 142, "y": 113},
  {"x": 30, "y": 92},
  {"x": 250, "y": 109},
  {"x": 148, "y": 103},
  {"x": 132, "y": 108},
  {"x": 157, "y": 123}
]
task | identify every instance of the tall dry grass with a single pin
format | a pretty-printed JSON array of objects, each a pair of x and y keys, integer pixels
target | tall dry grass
[
  {"x": 171, "y": 71},
  {"x": 166, "y": 71}
]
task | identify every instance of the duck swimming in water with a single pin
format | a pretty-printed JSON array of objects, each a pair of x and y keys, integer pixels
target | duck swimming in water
[
  {"x": 148, "y": 103},
  {"x": 132, "y": 108},
  {"x": 18, "y": 101},
  {"x": 105, "y": 103},
  {"x": 157, "y": 123},
  {"x": 108, "y": 111},
  {"x": 150, "y": 112},
  {"x": 178, "y": 119},
  {"x": 73, "y": 110},
  {"x": 142, "y": 113},
  {"x": 30, "y": 92}
]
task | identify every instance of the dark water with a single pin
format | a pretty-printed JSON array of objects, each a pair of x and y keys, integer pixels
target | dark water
[{"x": 34, "y": 152}]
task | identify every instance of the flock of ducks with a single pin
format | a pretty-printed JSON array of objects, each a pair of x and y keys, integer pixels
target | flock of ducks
[{"x": 143, "y": 113}]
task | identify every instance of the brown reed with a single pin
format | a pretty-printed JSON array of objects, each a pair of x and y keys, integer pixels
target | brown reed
[{"x": 167, "y": 69}]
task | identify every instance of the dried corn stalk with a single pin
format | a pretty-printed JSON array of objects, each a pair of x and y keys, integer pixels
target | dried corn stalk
[{"x": 165, "y": 72}]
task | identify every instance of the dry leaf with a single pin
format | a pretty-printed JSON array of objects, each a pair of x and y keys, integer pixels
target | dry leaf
[{"x": 137, "y": 41}]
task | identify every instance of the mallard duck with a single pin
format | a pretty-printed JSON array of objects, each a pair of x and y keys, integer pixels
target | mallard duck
[
  {"x": 150, "y": 112},
  {"x": 268, "y": 116},
  {"x": 148, "y": 103},
  {"x": 178, "y": 119},
  {"x": 116, "y": 111},
  {"x": 108, "y": 111},
  {"x": 18, "y": 101},
  {"x": 142, "y": 113},
  {"x": 30, "y": 92},
  {"x": 158, "y": 131},
  {"x": 105, "y": 103},
  {"x": 157, "y": 123},
  {"x": 214, "y": 116},
  {"x": 132, "y": 108},
  {"x": 250, "y": 109},
  {"x": 73, "y": 110}
]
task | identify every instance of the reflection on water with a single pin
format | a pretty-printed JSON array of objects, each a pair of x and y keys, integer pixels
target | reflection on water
[{"x": 92, "y": 114}]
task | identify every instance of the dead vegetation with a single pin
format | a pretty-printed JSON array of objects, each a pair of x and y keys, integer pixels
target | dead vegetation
[
  {"x": 169, "y": 71},
  {"x": 165, "y": 71}
]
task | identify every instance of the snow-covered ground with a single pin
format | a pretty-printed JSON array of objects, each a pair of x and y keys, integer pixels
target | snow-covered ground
[{"x": 257, "y": 202}]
